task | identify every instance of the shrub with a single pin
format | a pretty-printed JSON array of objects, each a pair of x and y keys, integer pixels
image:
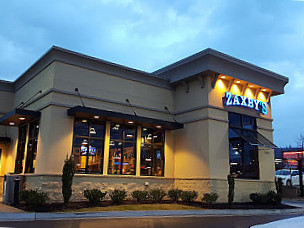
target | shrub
[
  {"x": 279, "y": 185},
  {"x": 140, "y": 195},
  {"x": 269, "y": 198},
  {"x": 117, "y": 196},
  {"x": 188, "y": 196},
  {"x": 210, "y": 198},
  {"x": 231, "y": 190},
  {"x": 174, "y": 194},
  {"x": 68, "y": 172},
  {"x": 33, "y": 198},
  {"x": 157, "y": 195},
  {"x": 94, "y": 195}
]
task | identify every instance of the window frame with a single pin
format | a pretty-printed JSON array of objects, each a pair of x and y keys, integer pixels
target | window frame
[
  {"x": 89, "y": 138},
  {"x": 123, "y": 141},
  {"x": 154, "y": 147},
  {"x": 254, "y": 152}
]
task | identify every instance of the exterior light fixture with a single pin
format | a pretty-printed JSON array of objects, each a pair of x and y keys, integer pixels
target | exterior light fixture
[
  {"x": 130, "y": 122},
  {"x": 96, "y": 117},
  {"x": 223, "y": 77},
  {"x": 11, "y": 123},
  {"x": 84, "y": 121},
  {"x": 263, "y": 90},
  {"x": 144, "y": 129},
  {"x": 22, "y": 118},
  {"x": 238, "y": 81},
  {"x": 158, "y": 126},
  {"x": 251, "y": 86},
  {"x": 117, "y": 125}
]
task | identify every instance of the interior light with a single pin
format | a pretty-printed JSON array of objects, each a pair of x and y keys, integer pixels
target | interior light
[
  {"x": 129, "y": 136},
  {"x": 22, "y": 118},
  {"x": 130, "y": 122},
  {"x": 11, "y": 123},
  {"x": 84, "y": 121},
  {"x": 117, "y": 125},
  {"x": 96, "y": 117},
  {"x": 144, "y": 129},
  {"x": 158, "y": 126},
  {"x": 92, "y": 130},
  {"x": 84, "y": 142}
]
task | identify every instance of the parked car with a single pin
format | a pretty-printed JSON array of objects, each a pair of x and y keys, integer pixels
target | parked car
[{"x": 289, "y": 177}]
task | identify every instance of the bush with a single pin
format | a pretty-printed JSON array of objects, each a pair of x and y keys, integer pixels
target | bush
[
  {"x": 157, "y": 195},
  {"x": 279, "y": 185},
  {"x": 33, "y": 198},
  {"x": 68, "y": 172},
  {"x": 231, "y": 190},
  {"x": 117, "y": 196},
  {"x": 174, "y": 194},
  {"x": 210, "y": 198},
  {"x": 188, "y": 196},
  {"x": 140, "y": 195},
  {"x": 94, "y": 195},
  {"x": 269, "y": 198}
]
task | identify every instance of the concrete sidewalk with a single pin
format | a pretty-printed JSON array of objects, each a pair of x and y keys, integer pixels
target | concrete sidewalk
[
  {"x": 294, "y": 202},
  {"x": 9, "y": 209},
  {"x": 9, "y": 213}
]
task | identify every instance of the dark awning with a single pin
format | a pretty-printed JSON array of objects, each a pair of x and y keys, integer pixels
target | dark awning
[
  {"x": 5, "y": 139},
  {"x": 254, "y": 138},
  {"x": 18, "y": 117},
  {"x": 90, "y": 113}
]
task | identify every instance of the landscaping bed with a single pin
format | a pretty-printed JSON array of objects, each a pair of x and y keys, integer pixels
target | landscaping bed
[{"x": 133, "y": 206}]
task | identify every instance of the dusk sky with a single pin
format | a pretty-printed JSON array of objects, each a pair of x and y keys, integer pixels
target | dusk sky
[{"x": 148, "y": 35}]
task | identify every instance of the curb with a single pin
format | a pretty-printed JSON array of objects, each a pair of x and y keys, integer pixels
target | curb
[{"x": 137, "y": 214}]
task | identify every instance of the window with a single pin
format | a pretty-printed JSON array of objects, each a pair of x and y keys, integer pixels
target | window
[
  {"x": 152, "y": 152},
  {"x": 122, "y": 154},
  {"x": 88, "y": 146},
  {"x": 21, "y": 148},
  {"x": 32, "y": 147},
  {"x": 242, "y": 149}
]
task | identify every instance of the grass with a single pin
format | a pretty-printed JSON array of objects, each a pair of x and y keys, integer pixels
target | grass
[{"x": 136, "y": 207}]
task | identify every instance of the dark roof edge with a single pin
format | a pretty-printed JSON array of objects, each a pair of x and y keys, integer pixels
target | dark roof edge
[
  {"x": 53, "y": 54},
  {"x": 6, "y": 86},
  {"x": 223, "y": 56}
]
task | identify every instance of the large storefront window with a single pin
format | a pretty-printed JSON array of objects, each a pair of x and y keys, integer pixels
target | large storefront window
[
  {"x": 243, "y": 155},
  {"x": 122, "y": 155},
  {"x": 21, "y": 149},
  {"x": 88, "y": 146},
  {"x": 32, "y": 147},
  {"x": 152, "y": 152}
]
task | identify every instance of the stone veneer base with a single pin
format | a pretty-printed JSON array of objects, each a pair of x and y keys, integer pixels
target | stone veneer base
[{"x": 52, "y": 185}]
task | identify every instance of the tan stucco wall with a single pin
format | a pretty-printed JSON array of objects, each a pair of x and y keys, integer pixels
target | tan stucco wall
[
  {"x": 55, "y": 140},
  {"x": 197, "y": 155}
]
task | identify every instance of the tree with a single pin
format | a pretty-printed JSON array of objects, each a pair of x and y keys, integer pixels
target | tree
[
  {"x": 68, "y": 172},
  {"x": 301, "y": 140}
]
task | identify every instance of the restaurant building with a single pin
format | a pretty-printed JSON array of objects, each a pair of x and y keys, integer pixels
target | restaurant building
[{"x": 187, "y": 125}]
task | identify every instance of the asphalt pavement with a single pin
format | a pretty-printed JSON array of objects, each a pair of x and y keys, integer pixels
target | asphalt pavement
[{"x": 214, "y": 221}]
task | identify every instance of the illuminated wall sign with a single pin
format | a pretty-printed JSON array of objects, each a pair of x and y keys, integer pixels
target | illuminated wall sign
[{"x": 235, "y": 100}]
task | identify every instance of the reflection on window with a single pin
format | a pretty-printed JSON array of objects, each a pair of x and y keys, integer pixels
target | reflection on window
[
  {"x": 122, "y": 156},
  {"x": 243, "y": 156},
  {"x": 88, "y": 146},
  {"x": 152, "y": 152},
  {"x": 32, "y": 147},
  {"x": 21, "y": 149}
]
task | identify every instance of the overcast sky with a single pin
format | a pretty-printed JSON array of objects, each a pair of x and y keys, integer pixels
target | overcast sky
[{"x": 148, "y": 35}]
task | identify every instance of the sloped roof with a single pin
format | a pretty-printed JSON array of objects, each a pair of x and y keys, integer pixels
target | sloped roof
[{"x": 166, "y": 77}]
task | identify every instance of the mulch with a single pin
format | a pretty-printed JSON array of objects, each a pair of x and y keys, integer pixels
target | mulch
[{"x": 58, "y": 207}]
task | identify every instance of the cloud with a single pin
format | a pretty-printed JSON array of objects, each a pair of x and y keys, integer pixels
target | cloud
[{"x": 150, "y": 34}]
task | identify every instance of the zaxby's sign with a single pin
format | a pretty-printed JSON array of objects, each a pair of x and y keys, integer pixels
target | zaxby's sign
[{"x": 235, "y": 100}]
